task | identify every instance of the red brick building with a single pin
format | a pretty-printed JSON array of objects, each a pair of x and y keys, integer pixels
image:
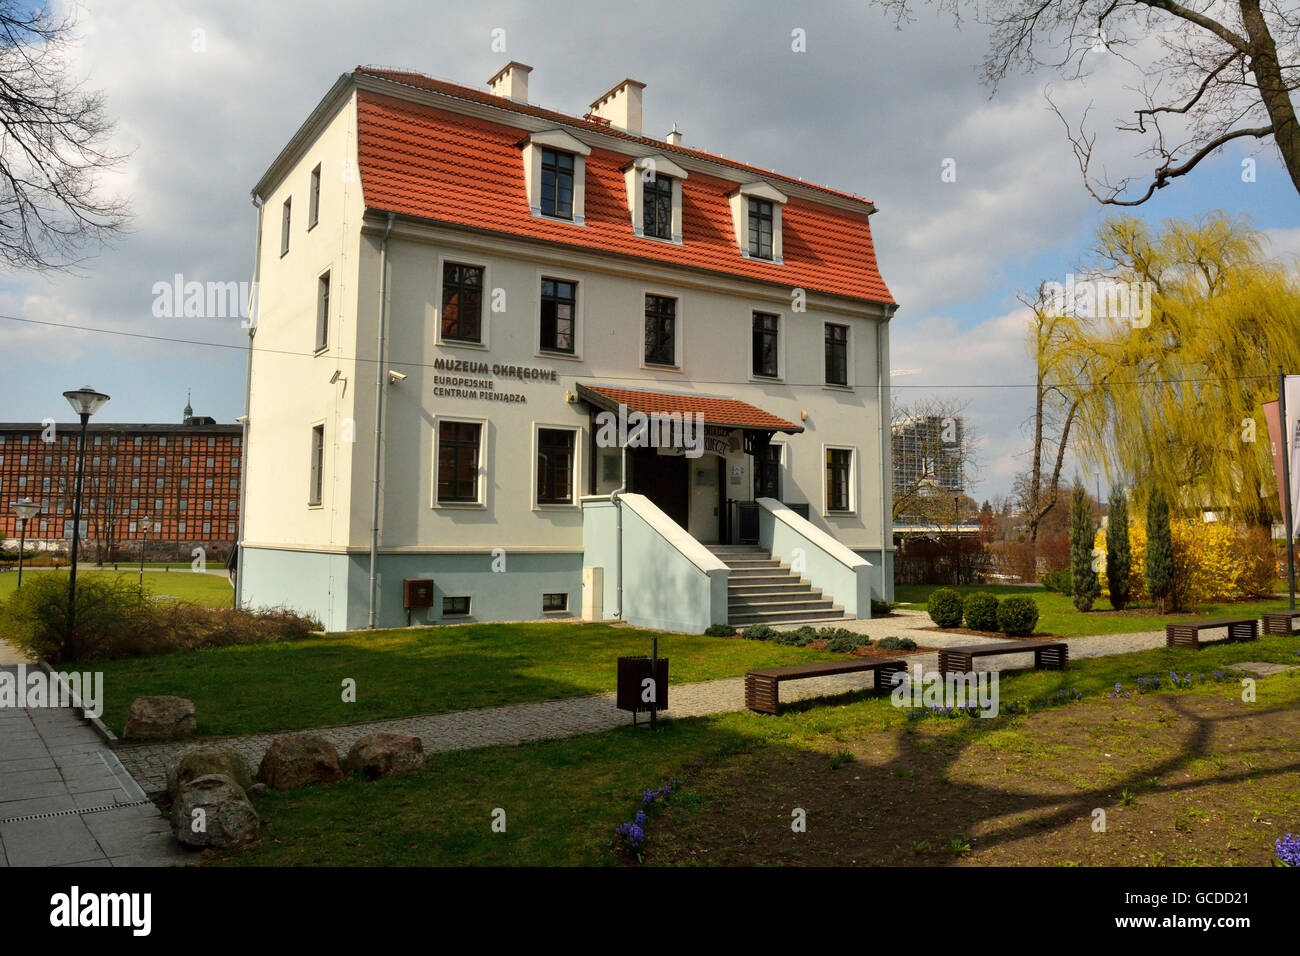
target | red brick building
[{"x": 184, "y": 477}]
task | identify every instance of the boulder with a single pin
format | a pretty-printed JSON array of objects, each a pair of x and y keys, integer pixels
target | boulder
[
  {"x": 214, "y": 811},
  {"x": 159, "y": 718},
  {"x": 385, "y": 755},
  {"x": 295, "y": 760},
  {"x": 206, "y": 759}
]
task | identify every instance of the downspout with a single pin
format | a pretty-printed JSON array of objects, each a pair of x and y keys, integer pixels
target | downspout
[
  {"x": 618, "y": 553},
  {"x": 379, "y": 415},
  {"x": 886, "y": 479},
  {"x": 248, "y": 401}
]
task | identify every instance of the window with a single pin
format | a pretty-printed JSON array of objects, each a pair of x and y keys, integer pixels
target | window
[
  {"x": 207, "y": 483},
  {"x": 285, "y": 217},
  {"x": 462, "y": 302},
  {"x": 657, "y": 212},
  {"x": 839, "y": 474},
  {"x": 557, "y": 184},
  {"x": 554, "y": 466},
  {"x": 322, "y": 312},
  {"x": 458, "y": 455},
  {"x": 837, "y": 354},
  {"x": 207, "y": 527},
  {"x": 185, "y": 462},
  {"x": 760, "y": 229},
  {"x": 212, "y": 442},
  {"x": 313, "y": 199},
  {"x": 139, "y": 440},
  {"x": 211, "y": 462},
  {"x": 180, "y": 527},
  {"x": 559, "y": 299},
  {"x": 455, "y": 607},
  {"x": 158, "y": 504},
  {"x": 317, "y": 464},
  {"x": 660, "y": 330},
  {"x": 135, "y": 462},
  {"x": 552, "y": 603},
  {"x": 185, "y": 505},
  {"x": 767, "y": 472},
  {"x": 158, "y": 483},
  {"x": 162, "y": 462},
  {"x": 766, "y": 344}
]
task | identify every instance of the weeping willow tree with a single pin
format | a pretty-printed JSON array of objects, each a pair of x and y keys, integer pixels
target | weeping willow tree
[{"x": 1181, "y": 330}]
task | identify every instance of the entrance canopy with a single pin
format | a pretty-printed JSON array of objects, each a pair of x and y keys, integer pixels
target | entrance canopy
[{"x": 718, "y": 412}]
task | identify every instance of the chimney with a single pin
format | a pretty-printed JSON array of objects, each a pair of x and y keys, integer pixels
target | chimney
[
  {"x": 511, "y": 82},
  {"x": 621, "y": 106},
  {"x": 674, "y": 137}
]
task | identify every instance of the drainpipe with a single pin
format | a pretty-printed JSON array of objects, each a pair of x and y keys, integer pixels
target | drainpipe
[
  {"x": 886, "y": 479},
  {"x": 248, "y": 401},
  {"x": 379, "y": 414},
  {"x": 618, "y": 554}
]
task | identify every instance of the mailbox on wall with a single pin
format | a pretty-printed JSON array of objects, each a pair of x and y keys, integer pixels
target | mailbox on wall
[{"x": 417, "y": 593}]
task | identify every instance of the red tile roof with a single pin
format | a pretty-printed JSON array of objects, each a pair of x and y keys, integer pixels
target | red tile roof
[
  {"x": 435, "y": 164},
  {"x": 716, "y": 411}
]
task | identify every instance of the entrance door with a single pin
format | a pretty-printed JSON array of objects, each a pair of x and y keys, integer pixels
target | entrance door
[
  {"x": 708, "y": 478},
  {"x": 664, "y": 479}
]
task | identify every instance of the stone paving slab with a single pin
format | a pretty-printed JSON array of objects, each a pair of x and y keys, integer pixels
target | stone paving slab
[{"x": 66, "y": 800}]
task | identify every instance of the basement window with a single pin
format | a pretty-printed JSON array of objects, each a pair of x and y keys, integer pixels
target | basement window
[
  {"x": 455, "y": 606},
  {"x": 555, "y": 603}
]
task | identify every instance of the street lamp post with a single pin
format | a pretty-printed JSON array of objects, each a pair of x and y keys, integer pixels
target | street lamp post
[
  {"x": 956, "y": 540},
  {"x": 85, "y": 401},
  {"x": 26, "y": 509},
  {"x": 145, "y": 524}
]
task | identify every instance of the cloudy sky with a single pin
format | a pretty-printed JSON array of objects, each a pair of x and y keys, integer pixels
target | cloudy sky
[{"x": 205, "y": 93}]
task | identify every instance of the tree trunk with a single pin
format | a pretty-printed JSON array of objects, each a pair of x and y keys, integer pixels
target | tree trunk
[{"x": 1272, "y": 88}]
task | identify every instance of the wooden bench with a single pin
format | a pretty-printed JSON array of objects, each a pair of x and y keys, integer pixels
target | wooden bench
[
  {"x": 762, "y": 687},
  {"x": 1187, "y": 633},
  {"x": 1280, "y": 622},
  {"x": 1052, "y": 655}
]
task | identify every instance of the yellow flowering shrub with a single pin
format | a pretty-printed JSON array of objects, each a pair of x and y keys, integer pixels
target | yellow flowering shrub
[{"x": 1213, "y": 562}]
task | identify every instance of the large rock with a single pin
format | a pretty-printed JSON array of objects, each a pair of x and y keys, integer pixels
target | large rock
[
  {"x": 159, "y": 718},
  {"x": 207, "y": 759},
  {"x": 213, "y": 810},
  {"x": 385, "y": 755},
  {"x": 295, "y": 760}
]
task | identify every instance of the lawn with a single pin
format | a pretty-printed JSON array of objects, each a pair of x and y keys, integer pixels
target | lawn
[
  {"x": 1057, "y": 615},
  {"x": 209, "y": 589},
  {"x": 291, "y": 685},
  {"x": 1185, "y": 776}
]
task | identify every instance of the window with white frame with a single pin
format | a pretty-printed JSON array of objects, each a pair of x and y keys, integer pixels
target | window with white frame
[
  {"x": 837, "y": 354},
  {"x": 654, "y": 197},
  {"x": 459, "y": 462},
  {"x": 317, "y": 477},
  {"x": 756, "y": 210},
  {"x": 559, "y": 316},
  {"x": 556, "y": 465},
  {"x": 322, "y": 311},
  {"x": 313, "y": 199},
  {"x": 462, "y": 303},
  {"x": 766, "y": 345},
  {"x": 840, "y": 479},
  {"x": 660, "y": 330},
  {"x": 286, "y": 217}
]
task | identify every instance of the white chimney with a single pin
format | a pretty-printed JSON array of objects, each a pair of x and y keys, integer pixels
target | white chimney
[
  {"x": 674, "y": 137},
  {"x": 621, "y": 106},
  {"x": 511, "y": 82}
]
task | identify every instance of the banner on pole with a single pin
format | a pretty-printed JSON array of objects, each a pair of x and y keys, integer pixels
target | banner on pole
[{"x": 1285, "y": 439}]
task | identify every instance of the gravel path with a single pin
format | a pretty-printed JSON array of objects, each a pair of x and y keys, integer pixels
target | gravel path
[{"x": 520, "y": 723}]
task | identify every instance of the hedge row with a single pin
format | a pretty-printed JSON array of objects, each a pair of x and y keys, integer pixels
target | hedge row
[{"x": 1016, "y": 616}]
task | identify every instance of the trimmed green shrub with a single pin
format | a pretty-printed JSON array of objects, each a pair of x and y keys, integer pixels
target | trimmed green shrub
[
  {"x": 945, "y": 607},
  {"x": 758, "y": 632},
  {"x": 1084, "y": 587},
  {"x": 896, "y": 644},
  {"x": 1119, "y": 551},
  {"x": 880, "y": 608},
  {"x": 720, "y": 630},
  {"x": 1017, "y": 615},
  {"x": 797, "y": 638},
  {"x": 831, "y": 632},
  {"x": 848, "y": 643},
  {"x": 1058, "y": 581},
  {"x": 1160, "y": 553},
  {"x": 981, "y": 611}
]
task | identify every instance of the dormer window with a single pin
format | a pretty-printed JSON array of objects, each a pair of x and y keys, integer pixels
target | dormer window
[
  {"x": 557, "y": 184},
  {"x": 654, "y": 197},
  {"x": 555, "y": 175},
  {"x": 756, "y": 216}
]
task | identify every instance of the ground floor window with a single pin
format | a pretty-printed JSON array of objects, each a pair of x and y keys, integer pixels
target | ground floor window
[
  {"x": 767, "y": 472},
  {"x": 555, "y": 602},
  {"x": 839, "y": 474},
  {"x": 555, "y": 466},
  {"x": 458, "y": 458},
  {"x": 455, "y": 606}
]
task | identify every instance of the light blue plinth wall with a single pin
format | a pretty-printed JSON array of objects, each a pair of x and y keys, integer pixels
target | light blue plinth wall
[{"x": 335, "y": 587}]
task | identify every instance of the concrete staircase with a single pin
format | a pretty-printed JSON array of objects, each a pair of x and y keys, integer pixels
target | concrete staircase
[{"x": 762, "y": 590}]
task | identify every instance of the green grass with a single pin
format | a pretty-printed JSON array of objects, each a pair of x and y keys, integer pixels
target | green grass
[
  {"x": 1057, "y": 614},
  {"x": 207, "y": 589},
  {"x": 564, "y": 798},
  {"x": 291, "y": 685}
]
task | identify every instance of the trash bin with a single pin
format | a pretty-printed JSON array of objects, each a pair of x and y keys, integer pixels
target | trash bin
[{"x": 633, "y": 672}]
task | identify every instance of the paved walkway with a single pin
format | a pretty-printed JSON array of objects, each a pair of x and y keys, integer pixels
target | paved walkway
[
  {"x": 66, "y": 800},
  {"x": 520, "y": 723}
]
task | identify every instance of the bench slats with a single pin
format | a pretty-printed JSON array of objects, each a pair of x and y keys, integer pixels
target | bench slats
[{"x": 762, "y": 687}]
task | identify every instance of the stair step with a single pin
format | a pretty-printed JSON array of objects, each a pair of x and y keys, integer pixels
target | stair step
[
  {"x": 757, "y": 590},
  {"x": 763, "y": 571},
  {"x": 795, "y": 616}
]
